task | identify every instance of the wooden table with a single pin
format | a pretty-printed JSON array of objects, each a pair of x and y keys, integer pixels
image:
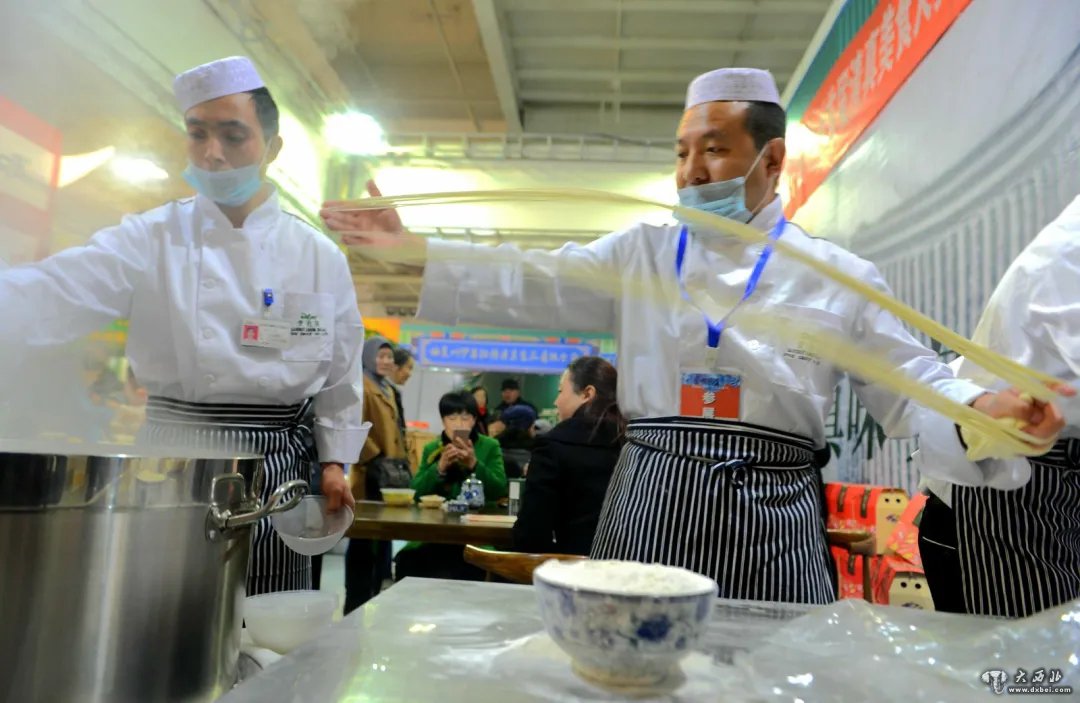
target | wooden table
[{"x": 379, "y": 521}]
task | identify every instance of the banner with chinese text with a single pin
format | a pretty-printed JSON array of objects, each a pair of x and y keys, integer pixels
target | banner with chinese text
[
  {"x": 511, "y": 357},
  {"x": 887, "y": 49}
]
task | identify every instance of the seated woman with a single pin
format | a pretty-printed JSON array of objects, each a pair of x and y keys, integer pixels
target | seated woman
[
  {"x": 446, "y": 462},
  {"x": 572, "y": 464}
]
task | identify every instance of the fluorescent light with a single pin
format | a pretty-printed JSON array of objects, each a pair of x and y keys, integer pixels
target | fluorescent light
[
  {"x": 137, "y": 170},
  {"x": 355, "y": 133},
  {"x": 75, "y": 167},
  {"x": 299, "y": 167}
]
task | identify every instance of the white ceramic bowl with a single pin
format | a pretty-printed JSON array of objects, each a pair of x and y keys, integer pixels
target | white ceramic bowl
[
  {"x": 283, "y": 621},
  {"x": 309, "y": 529},
  {"x": 624, "y": 624},
  {"x": 398, "y": 496},
  {"x": 431, "y": 501}
]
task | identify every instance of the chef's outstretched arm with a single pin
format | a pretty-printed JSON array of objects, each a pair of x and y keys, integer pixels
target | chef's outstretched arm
[
  {"x": 77, "y": 291},
  {"x": 1033, "y": 317},
  {"x": 570, "y": 288},
  {"x": 340, "y": 431},
  {"x": 939, "y": 443},
  {"x": 879, "y": 330}
]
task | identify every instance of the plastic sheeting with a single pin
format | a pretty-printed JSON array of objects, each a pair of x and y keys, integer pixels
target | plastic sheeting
[
  {"x": 447, "y": 641},
  {"x": 852, "y": 651}
]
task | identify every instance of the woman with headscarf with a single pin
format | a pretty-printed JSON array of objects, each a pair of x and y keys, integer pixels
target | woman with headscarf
[{"x": 383, "y": 464}]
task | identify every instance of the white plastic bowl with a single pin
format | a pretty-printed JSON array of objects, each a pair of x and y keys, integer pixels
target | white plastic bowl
[
  {"x": 283, "y": 621},
  {"x": 309, "y": 529},
  {"x": 398, "y": 496},
  {"x": 619, "y": 629}
]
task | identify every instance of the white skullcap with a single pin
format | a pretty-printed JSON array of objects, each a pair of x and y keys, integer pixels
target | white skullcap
[
  {"x": 216, "y": 79},
  {"x": 732, "y": 84}
]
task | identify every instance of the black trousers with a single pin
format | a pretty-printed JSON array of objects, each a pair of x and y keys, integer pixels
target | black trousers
[
  {"x": 316, "y": 572},
  {"x": 941, "y": 560},
  {"x": 364, "y": 569}
]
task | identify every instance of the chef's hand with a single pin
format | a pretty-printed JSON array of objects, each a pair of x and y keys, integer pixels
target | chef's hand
[
  {"x": 336, "y": 487},
  {"x": 1037, "y": 418},
  {"x": 466, "y": 452},
  {"x": 380, "y": 232}
]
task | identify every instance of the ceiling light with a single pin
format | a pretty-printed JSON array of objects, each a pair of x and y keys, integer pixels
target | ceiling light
[
  {"x": 74, "y": 167},
  {"x": 137, "y": 170},
  {"x": 355, "y": 133}
]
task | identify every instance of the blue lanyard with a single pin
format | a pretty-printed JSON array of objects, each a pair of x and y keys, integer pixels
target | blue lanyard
[{"x": 717, "y": 328}]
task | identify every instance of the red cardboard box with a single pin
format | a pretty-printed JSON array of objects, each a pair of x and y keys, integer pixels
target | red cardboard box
[
  {"x": 876, "y": 509},
  {"x": 849, "y": 569},
  {"x": 904, "y": 540},
  {"x": 854, "y": 573},
  {"x": 897, "y": 582}
]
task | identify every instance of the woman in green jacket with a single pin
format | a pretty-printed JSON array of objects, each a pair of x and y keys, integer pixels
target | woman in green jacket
[{"x": 461, "y": 451}]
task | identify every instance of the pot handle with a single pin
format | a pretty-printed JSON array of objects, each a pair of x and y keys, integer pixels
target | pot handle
[{"x": 219, "y": 521}]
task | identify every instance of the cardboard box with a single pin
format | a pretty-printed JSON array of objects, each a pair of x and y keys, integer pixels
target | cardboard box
[
  {"x": 897, "y": 582},
  {"x": 904, "y": 540},
  {"x": 876, "y": 509},
  {"x": 849, "y": 569},
  {"x": 854, "y": 573}
]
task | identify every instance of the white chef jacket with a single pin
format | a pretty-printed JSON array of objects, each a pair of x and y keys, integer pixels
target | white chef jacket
[
  {"x": 1033, "y": 317},
  {"x": 186, "y": 279},
  {"x": 782, "y": 388}
]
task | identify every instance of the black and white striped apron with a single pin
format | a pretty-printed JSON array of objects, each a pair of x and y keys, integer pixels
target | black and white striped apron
[
  {"x": 1019, "y": 550},
  {"x": 272, "y": 431},
  {"x": 739, "y": 503}
]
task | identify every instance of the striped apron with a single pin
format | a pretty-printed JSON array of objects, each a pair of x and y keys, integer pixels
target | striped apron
[
  {"x": 272, "y": 431},
  {"x": 739, "y": 503},
  {"x": 1019, "y": 551}
]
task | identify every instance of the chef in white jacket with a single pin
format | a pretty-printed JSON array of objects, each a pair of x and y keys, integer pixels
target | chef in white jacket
[
  {"x": 1002, "y": 537},
  {"x": 721, "y": 470},
  {"x": 240, "y": 314}
]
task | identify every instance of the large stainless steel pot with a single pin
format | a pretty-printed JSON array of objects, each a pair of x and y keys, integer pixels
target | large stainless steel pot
[{"x": 122, "y": 573}]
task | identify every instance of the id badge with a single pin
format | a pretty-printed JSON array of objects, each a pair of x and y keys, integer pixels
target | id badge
[
  {"x": 265, "y": 334},
  {"x": 709, "y": 393}
]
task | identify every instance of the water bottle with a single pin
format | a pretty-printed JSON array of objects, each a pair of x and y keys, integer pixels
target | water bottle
[
  {"x": 515, "y": 485},
  {"x": 472, "y": 492}
]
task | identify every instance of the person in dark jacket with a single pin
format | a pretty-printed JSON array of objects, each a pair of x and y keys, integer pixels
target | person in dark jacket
[
  {"x": 571, "y": 465},
  {"x": 511, "y": 397},
  {"x": 517, "y": 438}
]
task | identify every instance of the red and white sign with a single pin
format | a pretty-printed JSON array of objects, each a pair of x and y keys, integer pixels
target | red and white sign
[
  {"x": 29, "y": 176},
  {"x": 892, "y": 42}
]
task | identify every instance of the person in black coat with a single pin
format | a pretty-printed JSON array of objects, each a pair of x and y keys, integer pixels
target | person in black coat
[
  {"x": 572, "y": 464},
  {"x": 517, "y": 439}
]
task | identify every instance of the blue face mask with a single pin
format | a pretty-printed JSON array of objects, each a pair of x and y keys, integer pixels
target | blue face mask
[
  {"x": 230, "y": 188},
  {"x": 724, "y": 198}
]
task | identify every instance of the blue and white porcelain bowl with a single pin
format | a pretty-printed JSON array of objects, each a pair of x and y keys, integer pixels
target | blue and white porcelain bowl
[{"x": 623, "y": 623}]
